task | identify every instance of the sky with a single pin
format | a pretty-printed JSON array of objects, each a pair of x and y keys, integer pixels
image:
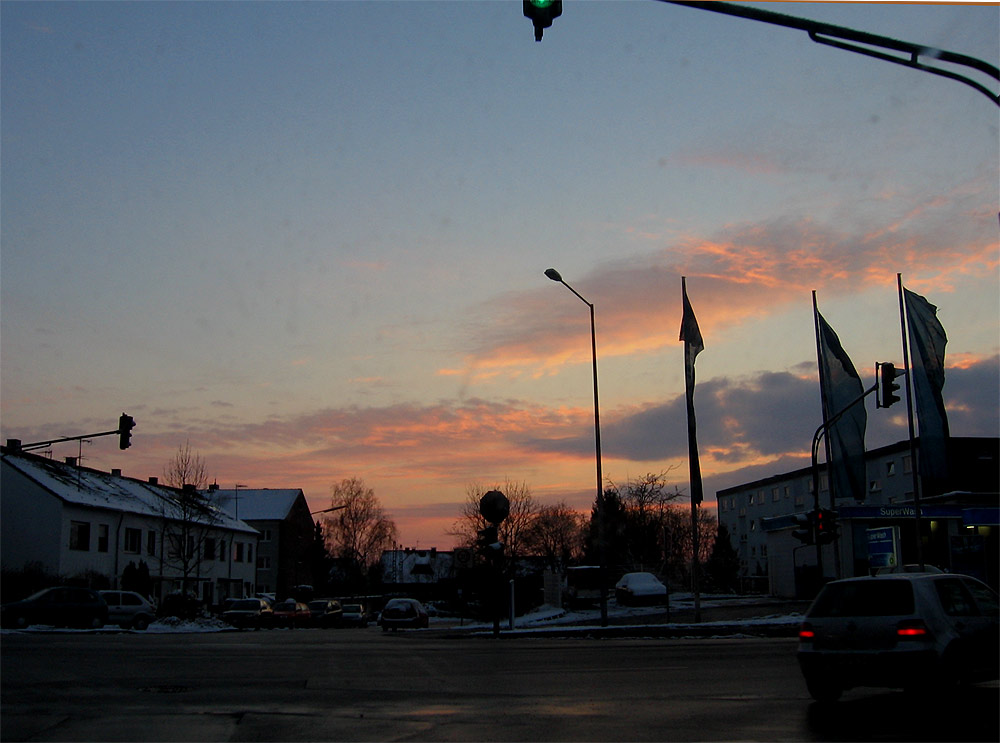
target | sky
[{"x": 309, "y": 239}]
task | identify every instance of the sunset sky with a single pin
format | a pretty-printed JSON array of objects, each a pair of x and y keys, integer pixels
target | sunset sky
[{"x": 309, "y": 238}]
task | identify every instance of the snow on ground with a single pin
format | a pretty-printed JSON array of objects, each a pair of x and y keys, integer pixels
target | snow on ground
[{"x": 539, "y": 618}]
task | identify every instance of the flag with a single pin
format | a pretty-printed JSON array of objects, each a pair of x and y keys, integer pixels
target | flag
[
  {"x": 841, "y": 390},
  {"x": 693, "y": 345},
  {"x": 927, "y": 342}
]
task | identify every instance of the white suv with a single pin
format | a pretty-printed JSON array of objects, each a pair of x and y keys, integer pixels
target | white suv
[
  {"x": 905, "y": 630},
  {"x": 128, "y": 609}
]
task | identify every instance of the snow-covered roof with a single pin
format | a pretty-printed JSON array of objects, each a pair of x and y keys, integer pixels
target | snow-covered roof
[
  {"x": 83, "y": 486},
  {"x": 262, "y": 504}
]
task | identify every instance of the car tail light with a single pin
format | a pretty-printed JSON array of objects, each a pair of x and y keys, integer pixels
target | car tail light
[
  {"x": 806, "y": 632},
  {"x": 912, "y": 629}
]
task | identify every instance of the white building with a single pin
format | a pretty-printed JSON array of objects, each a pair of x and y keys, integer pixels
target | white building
[{"x": 74, "y": 520}]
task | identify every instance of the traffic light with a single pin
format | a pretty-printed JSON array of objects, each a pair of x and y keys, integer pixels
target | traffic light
[
  {"x": 488, "y": 544},
  {"x": 125, "y": 426},
  {"x": 805, "y": 532},
  {"x": 887, "y": 385},
  {"x": 541, "y": 13},
  {"x": 826, "y": 526}
]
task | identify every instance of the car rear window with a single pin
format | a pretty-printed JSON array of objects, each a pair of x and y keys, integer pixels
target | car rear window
[{"x": 876, "y": 598}]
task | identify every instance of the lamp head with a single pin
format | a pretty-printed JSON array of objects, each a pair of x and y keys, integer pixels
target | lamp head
[{"x": 553, "y": 274}]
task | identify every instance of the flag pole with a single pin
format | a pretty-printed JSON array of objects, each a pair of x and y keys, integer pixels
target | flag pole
[
  {"x": 689, "y": 328},
  {"x": 909, "y": 421},
  {"x": 826, "y": 439}
]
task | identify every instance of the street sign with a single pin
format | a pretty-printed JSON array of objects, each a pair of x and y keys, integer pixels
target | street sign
[
  {"x": 494, "y": 506},
  {"x": 883, "y": 547}
]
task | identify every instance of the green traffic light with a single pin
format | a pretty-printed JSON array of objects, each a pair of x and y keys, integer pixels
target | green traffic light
[{"x": 541, "y": 3}]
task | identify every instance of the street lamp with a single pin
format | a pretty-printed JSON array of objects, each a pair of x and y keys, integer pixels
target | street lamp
[{"x": 555, "y": 276}]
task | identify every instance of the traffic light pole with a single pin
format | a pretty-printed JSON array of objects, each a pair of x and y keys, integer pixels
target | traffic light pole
[
  {"x": 43, "y": 444},
  {"x": 125, "y": 426},
  {"x": 861, "y": 42},
  {"x": 817, "y": 437}
]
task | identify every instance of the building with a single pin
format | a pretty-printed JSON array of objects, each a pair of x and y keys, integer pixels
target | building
[
  {"x": 80, "y": 523},
  {"x": 958, "y": 528},
  {"x": 286, "y": 528}
]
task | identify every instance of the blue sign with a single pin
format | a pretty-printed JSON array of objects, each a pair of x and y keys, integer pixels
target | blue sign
[{"x": 883, "y": 546}]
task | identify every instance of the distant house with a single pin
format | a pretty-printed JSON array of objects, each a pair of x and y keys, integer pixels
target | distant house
[
  {"x": 78, "y": 522},
  {"x": 286, "y": 531},
  {"x": 402, "y": 567}
]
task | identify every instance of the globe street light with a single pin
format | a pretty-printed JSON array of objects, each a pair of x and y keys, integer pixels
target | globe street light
[{"x": 555, "y": 276}]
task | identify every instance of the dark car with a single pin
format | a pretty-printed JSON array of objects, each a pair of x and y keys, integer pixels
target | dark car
[
  {"x": 249, "y": 613},
  {"x": 915, "y": 631},
  {"x": 326, "y": 612},
  {"x": 403, "y": 613},
  {"x": 292, "y": 613},
  {"x": 128, "y": 609},
  {"x": 180, "y": 605},
  {"x": 354, "y": 615},
  {"x": 62, "y": 606}
]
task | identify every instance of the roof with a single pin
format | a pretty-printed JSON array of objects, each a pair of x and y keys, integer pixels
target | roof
[
  {"x": 91, "y": 488},
  {"x": 262, "y": 504}
]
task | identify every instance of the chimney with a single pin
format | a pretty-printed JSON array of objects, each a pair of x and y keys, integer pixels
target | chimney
[
  {"x": 14, "y": 444},
  {"x": 154, "y": 481},
  {"x": 71, "y": 461},
  {"x": 190, "y": 488},
  {"x": 213, "y": 487},
  {"x": 116, "y": 473}
]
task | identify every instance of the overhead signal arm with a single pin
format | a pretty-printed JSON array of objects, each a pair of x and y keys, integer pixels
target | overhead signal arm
[{"x": 885, "y": 48}]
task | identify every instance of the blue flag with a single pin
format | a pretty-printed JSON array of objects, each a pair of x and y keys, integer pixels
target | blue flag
[
  {"x": 927, "y": 342},
  {"x": 841, "y": 388}
]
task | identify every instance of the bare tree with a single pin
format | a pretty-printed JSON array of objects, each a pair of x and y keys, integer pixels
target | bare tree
[
  {"x": 359, "y": 531},
  {"x": 555, "y": 533},
  {"x": 513, "y": 529},
  {"x": 186, "y": 468}
]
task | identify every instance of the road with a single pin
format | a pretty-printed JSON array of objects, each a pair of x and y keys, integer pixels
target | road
[{"x": 296, "y": 685}]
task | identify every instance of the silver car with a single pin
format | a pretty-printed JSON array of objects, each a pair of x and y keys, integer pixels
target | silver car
[
  {"x": 906, "y": 630},
  {"x": 128, "y": 609}
]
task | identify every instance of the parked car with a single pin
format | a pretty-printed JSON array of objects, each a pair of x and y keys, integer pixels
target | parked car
[
  {"x": 353, "y": 615},
  {"x": 905, "y": 630},
  {"x": 180, "y": 605},
  {"x": 909, "y": 568},
  {"x": 291, "y": 613},
  {"x": 640, "y": 588},
  {"x": 255, "y": 613},
  {"x": 61, "y": 606},
  {"x": 403, "y": 613},
  {"x": 325, "y": 612},
  {"x": 128, "y": 609}
]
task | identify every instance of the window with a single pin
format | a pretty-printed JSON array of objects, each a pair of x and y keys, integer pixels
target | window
[
  {"x": 150, "y": 542},
  {"x": 222, "y": 550},
  {"x": 79, "y": 535},
  {"x": 907, "y": 465},
  {"x": 875, "y": 486},
  {"x": 209, "y": 548},
  {"x": 788, "y": 492},
  {"x": 265, "y": 535},
  {"x": 102, "y": 537},
  {"x": 239, "y": 552},
  {"x": 890, "y": 469},
  {"x": 955, "y": 598},
  {"x": 133, "y": 541},
  {"x": 775, "y": 495},
  {"x": 249, "y": 553},
  {"x": 263, "y": 563}
]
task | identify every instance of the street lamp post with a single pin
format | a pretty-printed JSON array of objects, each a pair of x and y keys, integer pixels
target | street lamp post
[{"x": 555, "y": 276}]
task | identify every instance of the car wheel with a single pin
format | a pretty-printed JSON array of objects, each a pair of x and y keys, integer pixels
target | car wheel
[
  {"x": 140, "y": 623},
  {"x": 21, "y": 621},
  {"x": 95, "y": 622},
  {"x": 823, "y": 690}
]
